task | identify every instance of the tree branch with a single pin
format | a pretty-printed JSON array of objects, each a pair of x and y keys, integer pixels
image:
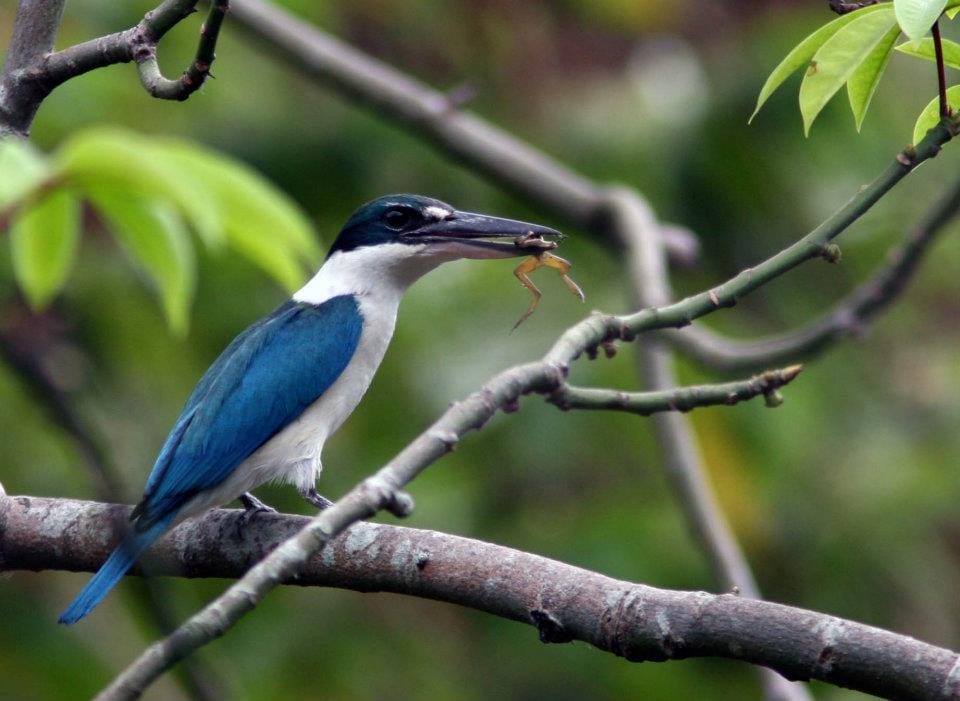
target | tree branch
[
  {"x": 681, "y": 399},
  {"x": 34, "y": 32},
  {"x": 563, "y": 602},
  {"x": 464, "y": 137},
  {"x": 847, "y": 318},
  {"x": 29, "y": 76}
]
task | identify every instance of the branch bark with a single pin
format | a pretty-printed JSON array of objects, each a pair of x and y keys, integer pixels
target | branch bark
[
  {"x": 563, "y": 602},
  {"x": 675, "y": 399},
  {"x": 32, "y": 70}
]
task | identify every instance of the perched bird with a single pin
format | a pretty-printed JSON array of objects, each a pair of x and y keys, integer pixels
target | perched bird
[{"x": 263, "y": 410}]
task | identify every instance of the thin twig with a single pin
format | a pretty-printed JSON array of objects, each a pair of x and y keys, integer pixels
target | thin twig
[
  {"x": 196, "y": 73},
  {"x": 383, "y": 490},
  {"x": 847, "y": 318},
  {"x": 681, "y": 399},
  {"x": 562, "y": 602},
  {"x": 941, "y": 70}
]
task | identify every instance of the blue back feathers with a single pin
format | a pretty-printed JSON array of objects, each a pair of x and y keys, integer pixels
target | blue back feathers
[{"x": 264, "y": 380}]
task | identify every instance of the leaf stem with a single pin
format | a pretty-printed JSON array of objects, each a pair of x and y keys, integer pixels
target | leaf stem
[{"x": 941, "y": 71}]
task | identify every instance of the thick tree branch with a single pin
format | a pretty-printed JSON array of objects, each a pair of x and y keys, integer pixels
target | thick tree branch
[
  {"x": 847, "y": 318},
  {"x": 466, "y": 138},
  {"x": 34, "y": 32},
  {"x": 30, "y": 75},
  {"x": 563, "y": 602}
]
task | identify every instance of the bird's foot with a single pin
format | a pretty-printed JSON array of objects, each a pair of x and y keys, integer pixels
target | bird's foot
[
  {"x": 251, "y": 507},
  {"x": 315, "y": 498}
]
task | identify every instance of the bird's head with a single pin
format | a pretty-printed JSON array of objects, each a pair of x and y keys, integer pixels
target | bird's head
[
  {"x": 429, "y": 228},
  {"x": 391, "y": 241}
]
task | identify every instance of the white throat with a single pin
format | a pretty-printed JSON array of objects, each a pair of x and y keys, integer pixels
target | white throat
[{"x": 383, "y": 272}]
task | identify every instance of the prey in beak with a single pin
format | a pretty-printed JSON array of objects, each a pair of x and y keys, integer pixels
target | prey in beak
[{"x": 470, "y": 235}]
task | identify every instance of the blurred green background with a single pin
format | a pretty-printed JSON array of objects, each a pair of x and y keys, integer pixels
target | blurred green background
[{"x": 845, "y": 498}]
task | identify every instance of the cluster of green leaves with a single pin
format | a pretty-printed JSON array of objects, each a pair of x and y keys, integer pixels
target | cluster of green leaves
[
  {"x": 854, "y": 50},
  {"x": 150, "y": 193}
]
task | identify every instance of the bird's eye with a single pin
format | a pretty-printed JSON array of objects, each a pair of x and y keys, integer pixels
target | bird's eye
[{"x": 398, "y": 218}]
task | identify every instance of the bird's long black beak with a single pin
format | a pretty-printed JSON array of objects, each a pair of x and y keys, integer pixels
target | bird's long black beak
[{"x": 487, "y": 236}]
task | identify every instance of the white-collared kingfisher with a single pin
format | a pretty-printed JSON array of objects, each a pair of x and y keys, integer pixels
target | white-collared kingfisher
[{"x": 263, "y": 410}]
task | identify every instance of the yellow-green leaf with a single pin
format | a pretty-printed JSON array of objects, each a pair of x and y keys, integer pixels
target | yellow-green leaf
[
  {"x": 837, "y": 60},
  {"x": 120, "y": 159},
  {"x": 863, "y": 82},
  {"x": 917, "y": 16},
  {"x": 259, "y": 220},
  {"x": 153, "y": 234},
  {"x": 924, "y": 49},
  {"x": 801, "y": 54},
  {"x": 952, "y": 8},
  {"x": 43, "y": 241},
  {"x": 22, "y": 168},
  {"x": 930, "y": 116}
]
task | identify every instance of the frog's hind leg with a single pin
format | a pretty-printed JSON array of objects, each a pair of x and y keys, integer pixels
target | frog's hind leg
[
  {"x": 528, "y": 265},
  {"x": 557, "y": 263}
]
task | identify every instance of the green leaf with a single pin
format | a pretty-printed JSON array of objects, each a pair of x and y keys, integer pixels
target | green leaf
[
  {"x": 953, "y": 7},
  {"x": 917, "y": 16},
  {"x": 863, "y": 82},
  {"x": 153, "y": 234},
  {"x": 930, "y": 116},
  {"x": 924, "y": 49},
  {"x": 258, "y": 219},
  {"x": 837, "y": 60},
  {"x": 801, "y": 54},
  {"x": 121, "y": 160},
  {"x": 43, "y": 241},
  {"x": 22, "y": 168}
]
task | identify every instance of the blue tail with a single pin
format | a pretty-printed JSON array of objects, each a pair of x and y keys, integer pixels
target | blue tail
[{"x": 112, "y": 571}]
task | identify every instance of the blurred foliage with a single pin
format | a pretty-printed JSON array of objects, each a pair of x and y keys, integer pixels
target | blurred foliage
[
  {"x": 845, "y": 498},
  {"x": 148, "y": 192}
]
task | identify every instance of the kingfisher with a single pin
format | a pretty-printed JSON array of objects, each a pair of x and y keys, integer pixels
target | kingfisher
[{"x": 265, "y": 407}]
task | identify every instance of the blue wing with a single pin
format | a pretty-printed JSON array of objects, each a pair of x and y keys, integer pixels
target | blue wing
[{"x": 264, "y": 380}]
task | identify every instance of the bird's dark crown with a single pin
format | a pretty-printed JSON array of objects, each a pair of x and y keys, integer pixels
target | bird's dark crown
[{"x": 383, "y": 220}]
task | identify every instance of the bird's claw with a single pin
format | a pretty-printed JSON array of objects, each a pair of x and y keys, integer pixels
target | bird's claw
[
  {"x": 317, "y": 499},
  {"x": 251, "y": 507}
]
